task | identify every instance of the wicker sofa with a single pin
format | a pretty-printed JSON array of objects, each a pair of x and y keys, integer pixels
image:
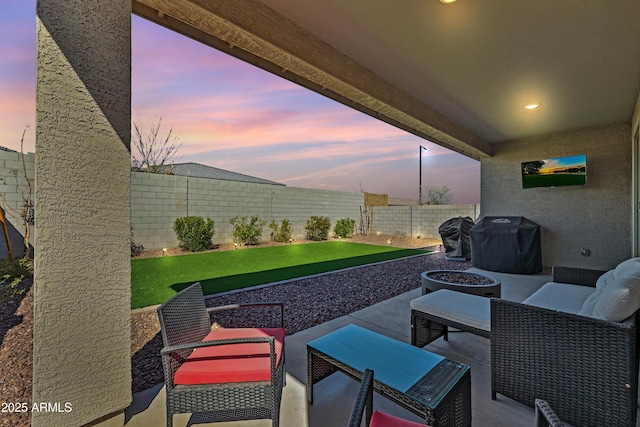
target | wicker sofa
[
  {"x": 585, "y": 366},
  {"x": 570, "y": 343}
]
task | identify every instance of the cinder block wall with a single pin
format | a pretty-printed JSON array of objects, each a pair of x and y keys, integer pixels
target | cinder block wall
[
  {"x": 419, "y": 220},
  {"x": 157, "y": 200},
  {"x": 12, "y": 186}
]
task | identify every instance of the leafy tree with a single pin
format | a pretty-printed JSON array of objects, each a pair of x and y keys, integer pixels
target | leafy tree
[
  {"x": 439, "y": 196},
  {"x": 151, "y": 151},
  {"x": 532, "y": 167}
]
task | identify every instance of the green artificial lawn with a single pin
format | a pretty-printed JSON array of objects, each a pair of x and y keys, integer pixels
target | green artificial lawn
[
  {"x": 552, "y": 180},
  {"x": 154, "y": 280}
]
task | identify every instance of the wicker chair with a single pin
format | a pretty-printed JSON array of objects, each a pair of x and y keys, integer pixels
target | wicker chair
[
  {"x": 221, "y": 374},
  {"x": 586, "y": 368},
  {"x": 364, "y": 408}
]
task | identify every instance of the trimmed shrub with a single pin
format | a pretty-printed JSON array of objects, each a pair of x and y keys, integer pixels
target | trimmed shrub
[
  {"x": 317, "y": 228},
  {"x": 194, "y": 233},
  {"x": 344, "y": 228},
  {"x": 281, "y": 233},
  {"x": 247, "y": 231}
]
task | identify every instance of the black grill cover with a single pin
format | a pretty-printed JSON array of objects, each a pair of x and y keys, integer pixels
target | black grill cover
[
  {"x": 455, "y": 237},
  {"x": 509, "y": 244}
]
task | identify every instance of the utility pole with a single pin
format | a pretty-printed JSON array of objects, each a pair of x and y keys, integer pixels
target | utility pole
[{"x": 420, "y": 180}]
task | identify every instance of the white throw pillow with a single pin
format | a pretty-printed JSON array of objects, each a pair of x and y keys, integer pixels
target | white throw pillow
[
  {"x": 604, "y": 280},
  {"x": 620, "y": 297},
  {"x": 589, "y": 304},
  {"x": 630, "y": 266}
]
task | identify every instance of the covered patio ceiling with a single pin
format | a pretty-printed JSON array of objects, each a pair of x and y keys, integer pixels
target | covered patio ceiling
[{"x": 457, "y": 74}]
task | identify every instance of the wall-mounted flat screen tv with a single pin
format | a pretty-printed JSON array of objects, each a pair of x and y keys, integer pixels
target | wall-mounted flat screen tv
[{"x": 555, "y": 172}]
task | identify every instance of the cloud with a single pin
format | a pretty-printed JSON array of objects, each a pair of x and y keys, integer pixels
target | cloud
[{"x": 232, "y": 115}]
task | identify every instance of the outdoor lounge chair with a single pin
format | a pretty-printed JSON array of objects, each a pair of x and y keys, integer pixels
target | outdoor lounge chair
[
  {"x": 222, "y": 374},
  {"x": 364, "y": 407}
]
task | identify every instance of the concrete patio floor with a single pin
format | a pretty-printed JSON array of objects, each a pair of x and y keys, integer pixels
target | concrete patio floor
[{"x": 335, "y": 395}]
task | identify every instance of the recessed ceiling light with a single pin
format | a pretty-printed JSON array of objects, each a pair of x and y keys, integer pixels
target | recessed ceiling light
[
  {"x": 532, "y": 106},
  {"x": 447, "y": 1}
]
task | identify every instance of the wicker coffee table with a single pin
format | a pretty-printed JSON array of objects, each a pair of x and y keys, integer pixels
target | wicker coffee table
[{"x": 425, "y": 383}]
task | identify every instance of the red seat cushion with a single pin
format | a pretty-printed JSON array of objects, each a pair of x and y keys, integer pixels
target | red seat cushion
[
  {"x": 231, "y": 363},
  {"x": 380, "y": 419}
]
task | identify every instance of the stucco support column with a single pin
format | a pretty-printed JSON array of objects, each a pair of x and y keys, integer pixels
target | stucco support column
[{"x": 82, "y": 227}]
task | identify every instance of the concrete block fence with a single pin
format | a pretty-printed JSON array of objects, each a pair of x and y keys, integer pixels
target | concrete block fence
[
  {"x": 12, "y": 183},
  {"x": 419, "y": 220},
  {"x": 157, "y": 200}
]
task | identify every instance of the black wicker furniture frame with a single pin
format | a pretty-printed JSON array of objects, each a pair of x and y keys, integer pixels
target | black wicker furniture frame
[
  {"x": 441, "y": 394},
  {"x": 185, "y": 322},
  {"x": 545, "y": 415},
  {"x": 586, "y": 368},
  {"x": 363, "y": 407},
  {"x": 427, "y": 327}
]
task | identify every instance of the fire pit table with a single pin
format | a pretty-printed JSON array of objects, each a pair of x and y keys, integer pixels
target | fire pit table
[{"x": 461, "y": 281}]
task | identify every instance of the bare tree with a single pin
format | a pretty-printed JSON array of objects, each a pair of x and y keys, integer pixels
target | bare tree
[
  {"x": 366, "y": 220},
  {"x": 152, "y": 151}
]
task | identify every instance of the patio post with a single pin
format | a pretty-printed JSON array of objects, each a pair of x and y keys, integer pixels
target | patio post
[{"x": 82, "y": 317}]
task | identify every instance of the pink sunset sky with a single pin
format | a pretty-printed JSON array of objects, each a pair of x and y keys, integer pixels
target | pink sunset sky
[{"x": 231, "y": 115}]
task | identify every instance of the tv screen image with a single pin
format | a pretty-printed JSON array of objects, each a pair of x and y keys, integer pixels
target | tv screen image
[{"x": 555, "y": 172}]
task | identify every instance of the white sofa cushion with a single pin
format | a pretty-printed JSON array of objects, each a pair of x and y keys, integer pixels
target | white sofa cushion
[
  {"x": 590, "y": 303},
  {"x": 470, "y": 310},
  {"x": 620, "y": 298},
  {"x": 560, "y": 296}
]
